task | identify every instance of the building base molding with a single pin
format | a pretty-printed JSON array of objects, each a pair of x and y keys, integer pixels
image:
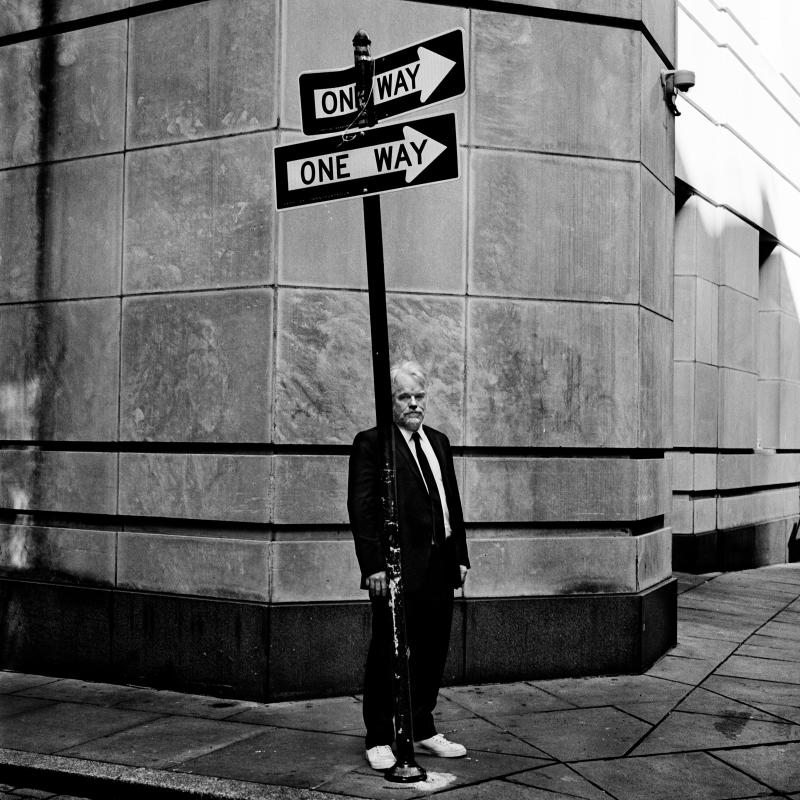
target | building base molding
[
  {"x": 747, "y": 547},
  {"x": 289, "y": 651}
]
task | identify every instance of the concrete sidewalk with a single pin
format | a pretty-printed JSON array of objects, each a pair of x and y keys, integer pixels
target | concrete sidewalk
[{"x": 717, "y": 718}]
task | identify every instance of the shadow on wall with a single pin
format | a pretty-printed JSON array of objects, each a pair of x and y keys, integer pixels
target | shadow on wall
[
  {"x": 34, "y": 343},
  {"x": 794, "y": 545}
]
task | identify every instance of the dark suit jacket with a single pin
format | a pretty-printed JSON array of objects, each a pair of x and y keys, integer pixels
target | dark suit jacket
[{"x": 415, "y": 520}]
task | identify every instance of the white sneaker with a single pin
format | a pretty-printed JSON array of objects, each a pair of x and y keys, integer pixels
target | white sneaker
[
  {"x": 439, "y": 746},
  {"x": 381, "y": 757}
]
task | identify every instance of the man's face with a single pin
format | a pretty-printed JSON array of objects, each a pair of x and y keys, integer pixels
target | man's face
[{"x": 408, "y": 402}]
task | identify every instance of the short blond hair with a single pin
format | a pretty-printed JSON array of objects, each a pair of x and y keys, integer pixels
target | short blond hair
[{"x": 411, "y": 368}]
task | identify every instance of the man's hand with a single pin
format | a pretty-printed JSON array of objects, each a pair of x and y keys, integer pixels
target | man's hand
[
  {"x": 378, "y": 584},
  {"x": 463, "y": 573}
]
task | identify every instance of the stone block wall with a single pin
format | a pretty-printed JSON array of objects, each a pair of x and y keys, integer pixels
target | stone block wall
[
  {"x": 736, "y": 415},
  {"x": 182, "y": 369}
]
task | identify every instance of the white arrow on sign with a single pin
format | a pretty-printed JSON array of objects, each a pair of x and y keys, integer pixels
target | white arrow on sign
[
  {"x": 413, "y": 153},
  {"x": 422, "y": 76}
]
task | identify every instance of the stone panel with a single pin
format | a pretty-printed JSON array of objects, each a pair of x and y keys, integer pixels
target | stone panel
[
  {"x": 66, "y": 555},
  {"x": 518, "y": 566},
  {"x": 190, "y": 644},
  {"x": 565, "y": 489},
  {"x": 738, "y": 315},
  {"x": 769, "y": 345},
  {"x": 199, "y": 215},
  {"x": 778, "y": 287},
  {"x": 705, "y": 471},
  {"x": 77, "y": 9},
  {"x": 196, "y": 367},
  {"x": 789, "y": 417},
  {"x": 19, "y": 16},
  {"x": 653, "y": 557},
  {"x": 738, "y": 510},
  {"x": 319, "y": 37},
  {"x": 595, "y": 258},
  {"x": 756, "y": 545},
  {"x": 59, "y": 371},
  {"x": 298, "y": 633},
  {"x": 739, "y": 254},
  {"x": 424, "y": 241},
  {"x": 655, "y": 380},
  {"x": 569, "y": 371},
  {"x": 768, "y": 423},
  {"x": 653, "y": 491},
  {"x": 697, "y": 247},
  {"x": 693, "y": 514},
  {"x": 625, "y": 9},
  {"x": 312, "y": 570},
  {"x": 707, "y": 387},
  {"x": 737, "y": 409},
  {"x": 682, "y": 470},
  {"x": 522, "y": 639},
  {"x": 324, "y": 392},
  {"x": 58, "y": 480},
  {"x": 517, "y": 62},
  {"x": 310, "y": 489},
  {"x": 29, "y": 14},
  {"x": 683, "y": 427},
  {"x": 707, "y": 324},
  {"x": 739, "y": 470},
  {"x": 705, "y": 514},
  {"x": 202, "y": 70},
  {"x": 233, "y": 568},
  {"x": 685, "y": 323},
  {"x": 61, "y": 230},
  {"x": 55, "y": 630},
  {"x": 659, "y": 19},
  {"x": 233, "y": 488},
  {"x": 681, "y": 518},
  {"x": 790, "y": 347},
  {"x": 658, "y": 123},
  {"x": 63, "y": 97},
  {"x": 696, "y": 402},
  {"x": 696, "y": 326}
]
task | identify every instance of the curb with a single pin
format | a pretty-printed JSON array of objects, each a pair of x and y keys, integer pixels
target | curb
[{"x": 91, "y": 778}]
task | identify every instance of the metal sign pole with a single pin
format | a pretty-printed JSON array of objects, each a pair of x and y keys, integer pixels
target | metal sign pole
[{"x": 406, "y": 770}]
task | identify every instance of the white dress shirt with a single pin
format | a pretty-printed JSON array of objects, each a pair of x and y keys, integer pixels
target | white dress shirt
[{"x": 435, "y": 469}]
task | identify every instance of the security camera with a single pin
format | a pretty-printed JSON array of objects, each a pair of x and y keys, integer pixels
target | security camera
[
  {"x": 682, "y": 79},
  {"x": 674, "y": 81}
]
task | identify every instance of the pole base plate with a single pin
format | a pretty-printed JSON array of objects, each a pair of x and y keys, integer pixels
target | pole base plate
[{"x": 405, "y": 772}]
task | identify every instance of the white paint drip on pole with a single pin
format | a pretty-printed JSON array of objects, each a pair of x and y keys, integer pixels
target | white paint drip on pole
[
  {"x": 413, "y": 153},
  {"x": 422, "y": 76}
]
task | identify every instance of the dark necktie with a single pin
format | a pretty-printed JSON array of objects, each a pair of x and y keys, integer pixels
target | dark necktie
[{"x": 433, "y": 491}]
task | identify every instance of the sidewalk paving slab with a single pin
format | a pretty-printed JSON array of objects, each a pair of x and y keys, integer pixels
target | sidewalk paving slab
[
  {"x": 684, "y": 732},
  {"x": 498, "y": 698},
  {"x": 559, "y": 781},
  {"x": 163, "y": 743},
  {"x": 673, "y": 776},
  {"x": 777, "y": 766},
  {"x": 704, "y": 701},
  {"x": 718, "y": 718}
]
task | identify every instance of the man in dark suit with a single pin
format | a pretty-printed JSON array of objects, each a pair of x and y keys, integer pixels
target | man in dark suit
[{"x": 434, "y": 563}]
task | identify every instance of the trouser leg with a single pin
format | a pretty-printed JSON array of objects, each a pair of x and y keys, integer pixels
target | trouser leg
[
  {"x": 429, "y": 614},
  {"x": 378, "y": 706}
]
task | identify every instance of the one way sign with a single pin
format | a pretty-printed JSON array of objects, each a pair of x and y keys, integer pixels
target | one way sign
[
  {"x": 404, "y": 80},
  {"x": 367, "y": 161}
]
